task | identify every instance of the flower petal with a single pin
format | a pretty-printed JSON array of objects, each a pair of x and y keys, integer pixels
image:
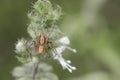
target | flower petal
[
  {"x": 20, "y": 46},
  {"x": 73, "y": 50},
  {"x": 64, "y": 40},
  {"x": 57, "y": 53}
]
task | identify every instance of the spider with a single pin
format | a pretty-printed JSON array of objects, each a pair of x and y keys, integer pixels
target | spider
[{"x": 43, "y": 44}]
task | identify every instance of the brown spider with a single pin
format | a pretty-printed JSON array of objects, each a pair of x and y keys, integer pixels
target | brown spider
[{"x": 42, "y": 44}]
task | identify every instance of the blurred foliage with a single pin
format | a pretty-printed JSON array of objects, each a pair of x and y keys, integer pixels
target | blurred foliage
[{"x": 92, "y": 25}]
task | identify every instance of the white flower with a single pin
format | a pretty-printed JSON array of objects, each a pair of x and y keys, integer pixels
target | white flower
[
  {"x": 64, "y": 40},
  {"x": 26, "y": 72},
  {"x": 20, "y": 46},
  {"x": 57, "y": 53}
]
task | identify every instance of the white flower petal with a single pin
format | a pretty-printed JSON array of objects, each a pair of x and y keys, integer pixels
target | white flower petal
[
  {"x": 64, "y": 63},
  {"x": 60, "y": 49},
  {"x": 57, "y": 53},
  {"x": 73, "y": 50},
  {"x": 68, "y": 61},
  {"x": 20, "y": 46},
  {"x": 64, "y": 40}
]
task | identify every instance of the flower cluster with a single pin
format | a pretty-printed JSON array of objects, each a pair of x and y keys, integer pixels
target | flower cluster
[
  {"x": 44, "y": 18},
  {"x": 34, "y": 71},
  {"x": 57, "y": 53}
]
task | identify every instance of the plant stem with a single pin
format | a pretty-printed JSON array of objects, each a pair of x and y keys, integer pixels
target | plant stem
[{"x": 35, "y": 70}]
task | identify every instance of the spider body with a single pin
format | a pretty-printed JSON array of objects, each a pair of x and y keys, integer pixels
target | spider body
[{"x": 41, "y": 43}]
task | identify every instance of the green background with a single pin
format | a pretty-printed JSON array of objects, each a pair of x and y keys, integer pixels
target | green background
[{"x": 93, "y": 27}]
